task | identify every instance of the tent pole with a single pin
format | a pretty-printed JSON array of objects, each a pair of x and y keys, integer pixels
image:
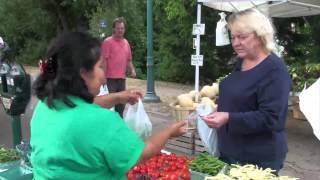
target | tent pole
[
  {"x": 196, "y": 87},
  {"x": 303, "y": 4}
]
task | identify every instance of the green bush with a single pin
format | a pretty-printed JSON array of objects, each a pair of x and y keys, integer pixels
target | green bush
[{"x": 303, "y": 75}]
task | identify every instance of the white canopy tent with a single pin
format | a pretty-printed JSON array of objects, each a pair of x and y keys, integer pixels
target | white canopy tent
[{"x": 274, "y": 8}]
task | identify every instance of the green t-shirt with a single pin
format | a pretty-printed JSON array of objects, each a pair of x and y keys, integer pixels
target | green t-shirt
[{"x": 86, "y": 142}]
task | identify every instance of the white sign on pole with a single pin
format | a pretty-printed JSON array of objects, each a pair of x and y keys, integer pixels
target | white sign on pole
[
  {"x": 198, "y": 29},
  {"x": 197, "y": 60}
]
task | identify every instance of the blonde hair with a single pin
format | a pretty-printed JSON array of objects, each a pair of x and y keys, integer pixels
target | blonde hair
[{"x": 252, "y": 20}]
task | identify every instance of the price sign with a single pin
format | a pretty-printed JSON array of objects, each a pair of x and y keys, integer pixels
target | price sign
[
  {"x": 197, "y": 60},
  {"x": 103, "y": 23},
  {"x": 198, "y": 29}
]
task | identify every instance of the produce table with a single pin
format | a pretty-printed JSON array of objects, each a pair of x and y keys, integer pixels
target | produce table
[{"x": 169, "y": 166}]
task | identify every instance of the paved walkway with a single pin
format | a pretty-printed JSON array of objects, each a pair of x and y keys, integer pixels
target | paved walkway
[{"x": 303, "y": 160}]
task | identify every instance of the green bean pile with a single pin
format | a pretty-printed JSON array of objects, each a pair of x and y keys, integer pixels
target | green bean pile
[
  {"x": 7, "y": 155},
  {"x": 206, "y": 164}
]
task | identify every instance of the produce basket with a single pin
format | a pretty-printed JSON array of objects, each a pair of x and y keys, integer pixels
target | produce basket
[{"x": 180, "y": 113}]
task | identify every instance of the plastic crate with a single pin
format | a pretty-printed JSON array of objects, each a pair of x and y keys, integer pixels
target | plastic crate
[{"x": 198, "y": 176}]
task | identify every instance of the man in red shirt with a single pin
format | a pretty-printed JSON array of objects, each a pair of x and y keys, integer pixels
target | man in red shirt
[{"x": 118, "y": 57}]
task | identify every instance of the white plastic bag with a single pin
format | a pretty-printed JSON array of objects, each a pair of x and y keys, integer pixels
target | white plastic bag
[
  {"x": 309, "y": 102},
  {"x": 138, "y": 120},
  {"x": 222, "y": 35},
  {"x": 207, "y": 134},
  {"x": 104, "y": 91}
]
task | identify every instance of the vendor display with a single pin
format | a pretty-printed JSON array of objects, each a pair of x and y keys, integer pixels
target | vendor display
[
  {"x": 162, "y": 166},
  {"x": 183, "y": 108},
  {"x": 169, "y": 166},
  {"x": 207, "y": 95}
]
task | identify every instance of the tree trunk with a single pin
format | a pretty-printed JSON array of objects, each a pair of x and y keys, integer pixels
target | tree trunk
[{"x": 62, "y": 25}]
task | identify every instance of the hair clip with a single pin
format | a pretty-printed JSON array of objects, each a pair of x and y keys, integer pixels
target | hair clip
[{"x": 43, "y": 66}]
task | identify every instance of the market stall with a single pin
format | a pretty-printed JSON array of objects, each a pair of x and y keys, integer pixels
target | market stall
[
  {"x": 274, "y": 8},
  {"x": 185, "y": 103}
]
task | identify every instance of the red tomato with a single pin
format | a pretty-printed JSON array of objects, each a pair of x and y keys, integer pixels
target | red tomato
[
  {"x": 162, "y": 174},
  {"x": 185, "y": 167},
  {"x": 131, "y": 176},
  {"x": 185, "y": 175},
  {"x": 173, "y": 168},
  {"x": 159, "y": 164},
  {"x": 173, "y": 176},
  {"x": 156, "y": 174},
  {"x": 136, "y": 169}
]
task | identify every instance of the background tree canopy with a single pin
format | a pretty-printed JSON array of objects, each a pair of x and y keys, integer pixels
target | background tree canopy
[{"x": 29, "y": 25}]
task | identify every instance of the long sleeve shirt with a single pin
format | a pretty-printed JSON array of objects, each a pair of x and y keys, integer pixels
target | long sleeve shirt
[{"x": 257, "y": 102}]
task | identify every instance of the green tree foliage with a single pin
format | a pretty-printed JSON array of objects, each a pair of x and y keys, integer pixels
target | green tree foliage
[
  {"x": 68, "y": 15},
  {"x": 134, "y": 13},
  {"x": 29, "y": 25},
  {"x": 25, "y": 27},
  {"x": 300, "y": 38},
  {"x": 173, "y": 42}
]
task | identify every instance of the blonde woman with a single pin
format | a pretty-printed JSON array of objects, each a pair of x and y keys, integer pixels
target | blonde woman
[{"x": 252, "y": 107}]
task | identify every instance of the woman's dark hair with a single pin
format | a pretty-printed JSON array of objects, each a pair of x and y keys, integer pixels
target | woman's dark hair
[{"x": 67, "y": 55}]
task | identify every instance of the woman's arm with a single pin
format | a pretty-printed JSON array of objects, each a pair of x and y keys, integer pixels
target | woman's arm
[
  {"x": 109, "y": 100},
  {"x": 156, "y": 142}
]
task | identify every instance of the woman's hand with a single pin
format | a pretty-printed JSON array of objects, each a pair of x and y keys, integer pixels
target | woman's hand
[
  {"x": 178, "y": 129},
  {"x": 157, "y": 141},
  {"x": 130, "y": 96},
  {"x": 216, "y": 119}
]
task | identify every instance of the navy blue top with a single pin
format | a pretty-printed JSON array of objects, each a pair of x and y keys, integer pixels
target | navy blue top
[{"x": 257, "y": 102}]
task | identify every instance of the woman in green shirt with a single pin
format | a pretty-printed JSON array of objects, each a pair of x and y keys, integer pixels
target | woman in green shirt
[{"x": 73, "y": 138}]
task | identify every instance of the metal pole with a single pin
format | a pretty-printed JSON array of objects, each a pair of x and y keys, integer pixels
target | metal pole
[
  {"x": 16, "y": 130},
  {"x": 196, "y": 84},
  {"x": 150, "y": 94}
]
